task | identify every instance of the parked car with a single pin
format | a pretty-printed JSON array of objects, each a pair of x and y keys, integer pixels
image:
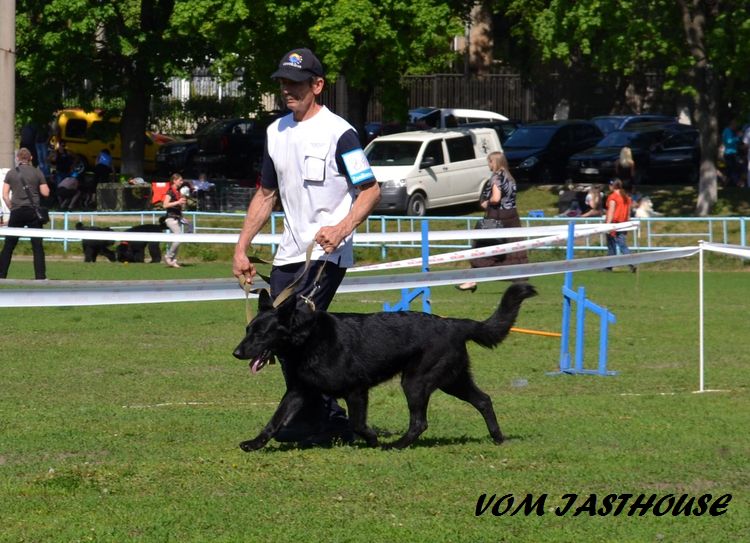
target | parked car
[
  {"x": 433, "y": 117},
  {"x": 427, "y": 169},
  {"x": 538, "y": 152},
  {"x": 86, "y": 133},
  {"x": 609, "y": 123},
  {"x": 503, "y": 128},
  {"x": 231, "y": 148},
  {"x": 177, "y": 156},
  {"x": 661, "y": 151}
]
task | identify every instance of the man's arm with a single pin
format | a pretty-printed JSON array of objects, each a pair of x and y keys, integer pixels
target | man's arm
[
  {"x": 44, "y": 189},
  {"x": 258, "y": 212},
  {"x": 330, "y": 237},
  {"x": 6, "y": 195}
]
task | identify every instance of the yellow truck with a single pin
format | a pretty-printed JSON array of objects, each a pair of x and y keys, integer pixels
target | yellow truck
[{"x": 86, "y": 133}]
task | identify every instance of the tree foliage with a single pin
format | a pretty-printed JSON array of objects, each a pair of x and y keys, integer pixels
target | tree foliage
[{"x": 701, "y": 46}]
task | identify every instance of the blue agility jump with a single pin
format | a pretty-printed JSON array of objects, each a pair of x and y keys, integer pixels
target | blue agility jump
[
  {"x": 409, "y": 295},
  {"x": 582, "y": 304}
]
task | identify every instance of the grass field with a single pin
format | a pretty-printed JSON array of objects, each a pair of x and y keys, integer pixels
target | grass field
[{"x": 121, "y": 423}]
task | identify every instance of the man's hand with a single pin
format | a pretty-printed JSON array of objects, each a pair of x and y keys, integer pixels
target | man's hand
[
  {"x": 242, "y": 267},
  {"x": 330, "y": 237}
]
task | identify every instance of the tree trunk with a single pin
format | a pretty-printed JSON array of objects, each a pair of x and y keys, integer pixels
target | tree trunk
[
  {"x": 133, "y": 131},
  {"x": 357, "y": 102},
  {"x": 706, "y": 104}
]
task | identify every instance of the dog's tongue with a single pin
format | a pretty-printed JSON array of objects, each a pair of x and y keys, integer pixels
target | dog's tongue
[{"x": 257, "y": 365}]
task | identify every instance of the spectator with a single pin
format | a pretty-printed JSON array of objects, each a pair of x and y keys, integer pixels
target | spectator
[
  {"x": 174, "y": 203},
  {"x": 41, "y": 146},
  {"x": 730, "y": 139},
  {"x": 593, "y": 202},
  {"x": 500, "y": 205},
  {"x": 22, "y": 204},
  {"x": 68, "y": 192},
  {"x": 28, "y": 138},
  {"x": 63, "y": 161},
  {"x": 625, "y": 165},
  {"x": 746, "y": 143},
  {"x": 314, "y": 162},
  {"x": 618, "y": 210}
]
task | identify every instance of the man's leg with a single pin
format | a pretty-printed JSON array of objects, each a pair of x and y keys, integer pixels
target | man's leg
[
  {"x": 322, "y": 421},
  {"x": 18, "y": 219}
]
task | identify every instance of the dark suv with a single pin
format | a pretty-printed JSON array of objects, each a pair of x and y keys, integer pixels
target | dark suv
[
  {"x": 538, "y": 152},
  {"x": 609, "y": 123},
  {"x": 231, "y": 148},
  {"x": 661, "y": 152}
]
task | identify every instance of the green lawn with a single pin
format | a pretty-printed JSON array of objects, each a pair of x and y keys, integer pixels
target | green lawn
[{"x": 121, "y": 424}]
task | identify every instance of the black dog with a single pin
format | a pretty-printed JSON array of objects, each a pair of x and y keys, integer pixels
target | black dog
[
  {"x": 127, "y": 251},
  {"x": 346, "y": 354},
  {"x": 92, "y": 248},
  {"x": 134, "y": 251}
]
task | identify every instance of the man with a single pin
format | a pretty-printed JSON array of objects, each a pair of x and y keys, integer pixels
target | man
[
  {"x": 22, "y": 213},
  {"x": 314, "y": 162}
]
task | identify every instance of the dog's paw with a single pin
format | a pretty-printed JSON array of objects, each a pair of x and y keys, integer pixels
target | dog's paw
[{"x": 253, "y": 444}]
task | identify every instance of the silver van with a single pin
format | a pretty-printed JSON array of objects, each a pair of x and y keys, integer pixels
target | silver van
[{"x": 427, "y": 169}]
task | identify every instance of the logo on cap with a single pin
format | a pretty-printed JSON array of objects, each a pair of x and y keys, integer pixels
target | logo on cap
[{"x": 295, "y": 59}]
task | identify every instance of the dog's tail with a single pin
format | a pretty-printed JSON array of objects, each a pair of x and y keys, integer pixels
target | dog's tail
[{"x": 492, "y": 331}]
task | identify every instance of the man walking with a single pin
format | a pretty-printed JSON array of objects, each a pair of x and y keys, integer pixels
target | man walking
[
  {"x": 21, "y": 202},
  {"x": 314, "y": 162}
]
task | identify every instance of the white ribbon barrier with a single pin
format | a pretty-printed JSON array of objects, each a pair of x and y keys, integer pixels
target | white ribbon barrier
[
  {"x": 267, "y": 239},
  {"x": 80, "y": 293},
  {"x": 494, "y": 250},
  {"x": 734, "y": 250}
]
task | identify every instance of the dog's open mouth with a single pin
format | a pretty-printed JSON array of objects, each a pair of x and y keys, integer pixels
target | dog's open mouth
[{"x": 261, "y": 362}]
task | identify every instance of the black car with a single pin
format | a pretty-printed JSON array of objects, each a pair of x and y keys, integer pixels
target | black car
[
  {"x": 538, "y": 152},
  {"x": 660, "y": 151},
  {"x": 231, "y": 148},
  {"x": 609, "y": 123},
  {"x": 504, "y": 129},
  {"x": 177, "y": 156}
]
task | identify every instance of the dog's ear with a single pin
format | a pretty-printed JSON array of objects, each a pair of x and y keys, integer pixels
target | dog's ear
[{"x": 265, "y": 302}]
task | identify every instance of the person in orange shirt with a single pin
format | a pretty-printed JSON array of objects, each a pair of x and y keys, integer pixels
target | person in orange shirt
[{"x": 618, "y": 208}]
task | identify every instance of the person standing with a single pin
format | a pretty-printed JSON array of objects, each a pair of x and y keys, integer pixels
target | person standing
[
  {"x": 618, "y": 206},
  {"x": 730, "y": 138},
  {"x": 625, "y": 166},
  {"x": 174, "y": 203},
  {"x": 21, "y": 203},
  {"x": 499, "y": 204},
  {"x": 746, "y": 143},
  {"x": 313, "y": 161}
]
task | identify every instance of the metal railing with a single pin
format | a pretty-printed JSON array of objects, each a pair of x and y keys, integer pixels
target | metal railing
[{"x": 654, "y": 233}]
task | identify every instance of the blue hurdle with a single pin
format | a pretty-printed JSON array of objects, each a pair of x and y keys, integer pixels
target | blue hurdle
[
  {"x": 582, "y": 304},
  {"x": 409, "y": 295}
]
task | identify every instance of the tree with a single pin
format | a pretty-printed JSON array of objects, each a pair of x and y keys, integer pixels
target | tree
[
  {"x": 373, "y": 44},
  {"x": 702, "y": 46},
  {"x": 119, "y": 52}
]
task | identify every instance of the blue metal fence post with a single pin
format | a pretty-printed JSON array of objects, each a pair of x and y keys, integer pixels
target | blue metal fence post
[
  {"x": 567, "y": 285},
  {"x": 580, "y": 327},
  {"x": 426, "y": 302}
]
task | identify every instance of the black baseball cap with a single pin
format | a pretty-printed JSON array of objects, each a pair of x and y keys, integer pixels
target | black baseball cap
[{"x": 298, "y": 65}]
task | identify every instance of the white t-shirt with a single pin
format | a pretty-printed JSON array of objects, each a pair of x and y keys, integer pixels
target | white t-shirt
[{"x": 315, "y": 165}]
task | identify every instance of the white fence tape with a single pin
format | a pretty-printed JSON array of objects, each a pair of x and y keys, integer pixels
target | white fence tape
[
  {"x": 79, "y": 293},
  {"x": 493, "y": 250},
  {"x": 266, "y": 239},
  {"x": 734, "y": 250}
]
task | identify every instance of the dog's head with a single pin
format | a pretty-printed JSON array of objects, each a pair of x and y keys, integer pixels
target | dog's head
[{"x": 274, "y": 330}]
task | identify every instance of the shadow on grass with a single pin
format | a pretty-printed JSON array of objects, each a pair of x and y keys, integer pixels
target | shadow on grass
[{"x": 421, "y": 443}]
